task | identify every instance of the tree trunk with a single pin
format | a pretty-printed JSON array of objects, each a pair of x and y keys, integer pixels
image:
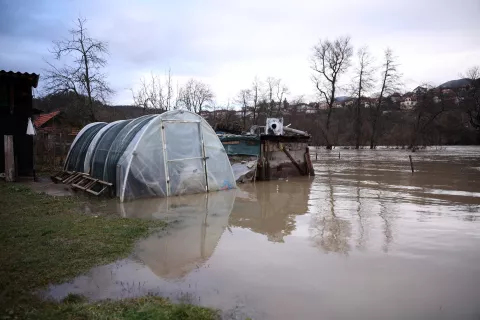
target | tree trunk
[
  {"x": 327, "y": 133},
  {"x": 244, "y": 118},
  {"x": 372, "y": 138},
  {"x": 357, "y": 126}
]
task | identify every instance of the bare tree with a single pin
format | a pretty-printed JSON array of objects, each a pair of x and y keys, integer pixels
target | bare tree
[
  {"x": 281, "y": 91},
  {"x": 431, "y": 103},
  {"x": 141, "y": 96},
  {"x": 472, "y": 98},
  {"x": 243, "y": 99},
  {"x": 363, "y": 83},
  {"x": 155, "y": 93},
  {"x": 170, "y": 101},
  {"x": 272, "y": 83},
  {"x": 330, "y": 59},
  {"x": 256, "y": 92},
  {"x": 390, "y": 84},
  {"x": 83, "y": 76},
  {"x": 194, "y": 95},
  {"x": 275, "y": 94}
]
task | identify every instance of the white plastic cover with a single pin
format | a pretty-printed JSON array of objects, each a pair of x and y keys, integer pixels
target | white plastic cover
[
  {"x": 173, "y": 153},
  {"x": 30, "y": 129},
  {"x": 176, "y": 153}
]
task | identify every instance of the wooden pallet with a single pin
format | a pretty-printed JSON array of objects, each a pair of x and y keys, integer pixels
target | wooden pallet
[
  {"x": 66, "y": 177},
  {"x": 87, "y": 183},
  {"x": 81, "y": 181}
]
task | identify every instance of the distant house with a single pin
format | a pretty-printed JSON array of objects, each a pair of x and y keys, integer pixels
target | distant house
[
  {"x": 420, "y": 90},
  {"x": 396, "y": 97},
  {"x": 448, "y": 91},
  {"x": 54, "y": 123},
  {"x": 349, "y": 102},
  {"x": 323, "y": 106},
  {"x": 369, "y": 102},
  {"x": 408, "y": 103},
  {"x": 309, "y": 108},
  {"x": 337, "y": 104},
  {"x": 16, "y": 106},
  {"x": 45, "y": 121}
]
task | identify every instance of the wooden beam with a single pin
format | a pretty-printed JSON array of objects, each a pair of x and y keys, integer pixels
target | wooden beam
[
  {"x": 9, "y": 158},
  {"x": 292, "y": 160},
  {"x": 8, "y": 143}
]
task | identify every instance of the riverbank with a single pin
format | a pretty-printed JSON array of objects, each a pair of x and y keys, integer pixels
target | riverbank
[{"x": 45, "y": 240}]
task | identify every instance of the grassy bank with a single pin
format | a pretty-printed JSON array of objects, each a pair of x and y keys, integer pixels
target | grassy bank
[{"x": 45, "y": 240}]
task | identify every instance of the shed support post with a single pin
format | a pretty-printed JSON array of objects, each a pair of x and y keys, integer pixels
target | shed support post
[
  {"x": 8, "y": 143},
  {"x": 9, "y": 158}
]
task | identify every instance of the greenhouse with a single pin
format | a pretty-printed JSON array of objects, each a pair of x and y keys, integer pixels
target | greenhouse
[{"x": 174, "y": 153}]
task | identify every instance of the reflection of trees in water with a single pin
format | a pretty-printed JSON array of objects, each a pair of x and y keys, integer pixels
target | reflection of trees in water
[
  {"x": 185, "y": 246},
  {"x": 471, "y": 218},
  {"x": 362, "y": 221},
  {"x": 331, "y": 234},
  {"x": 387, "y": 223},
  {"x": 328, "y": 231},
  {"x": 271, "y": 208}
]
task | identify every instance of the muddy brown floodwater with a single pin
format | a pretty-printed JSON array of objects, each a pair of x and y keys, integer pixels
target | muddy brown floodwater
[{"x": 364, "y": 239}]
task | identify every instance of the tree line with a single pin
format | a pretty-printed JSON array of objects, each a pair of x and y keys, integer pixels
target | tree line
[{"x": 369, "y": 115}]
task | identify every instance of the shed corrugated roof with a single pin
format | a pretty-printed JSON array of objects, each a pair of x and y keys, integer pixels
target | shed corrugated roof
[
  {"x": 44, "y": 118},
  {"x": 32, "y": 77}
]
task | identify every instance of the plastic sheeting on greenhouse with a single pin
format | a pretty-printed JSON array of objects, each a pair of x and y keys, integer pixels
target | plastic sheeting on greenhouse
[{"x": 173, "y": 153}]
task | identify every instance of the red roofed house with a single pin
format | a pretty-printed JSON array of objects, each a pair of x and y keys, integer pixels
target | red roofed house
[
  {"x": 54, "y": 136},
  {"x": 46, "y": 121},
  {"x": 54, "y": 122}
]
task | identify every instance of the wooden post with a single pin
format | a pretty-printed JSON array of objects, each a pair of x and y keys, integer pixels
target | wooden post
[
  {"x": 308, "y": 163},
  {"x": 262, "y": 170},
  {"x": 9, "y": 159},
  {"x": 54, "y": 151},
  {"x": 411, "y": 163},
  {"x": 34, "y": 141},
  {"x": 339, "y": 155},
  {"x": 316, "y": 153},
  {"x": 8, "y": 143},
  {"x": 267, "y": 161}
]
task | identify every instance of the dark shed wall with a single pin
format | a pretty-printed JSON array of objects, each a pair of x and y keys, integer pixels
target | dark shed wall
[{"x": 16, "y": 124}]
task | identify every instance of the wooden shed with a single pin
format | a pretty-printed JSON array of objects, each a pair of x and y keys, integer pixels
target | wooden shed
[{"x": 16, "y": 106}]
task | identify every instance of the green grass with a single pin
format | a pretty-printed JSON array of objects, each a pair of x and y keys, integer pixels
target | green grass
[
  {"x": 45, "y": 240},
  {"x": 144, "y": 308}
]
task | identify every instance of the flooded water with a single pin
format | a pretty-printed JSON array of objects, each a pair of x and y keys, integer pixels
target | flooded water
[{"x": 363, "y": 239}]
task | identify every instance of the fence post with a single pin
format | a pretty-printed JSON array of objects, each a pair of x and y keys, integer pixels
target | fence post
[{"x": 411, "y": 163}]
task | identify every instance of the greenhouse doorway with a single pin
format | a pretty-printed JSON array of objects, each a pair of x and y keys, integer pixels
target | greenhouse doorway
[{"x": 185, "y": 161}]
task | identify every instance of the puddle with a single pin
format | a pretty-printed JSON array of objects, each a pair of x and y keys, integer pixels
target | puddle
[
  {"x": 373, "y": 242},
  {"x": 45, "y": 185}
]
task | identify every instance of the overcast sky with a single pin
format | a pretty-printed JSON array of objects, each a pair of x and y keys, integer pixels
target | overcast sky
[{"x": 227, "y": 43}]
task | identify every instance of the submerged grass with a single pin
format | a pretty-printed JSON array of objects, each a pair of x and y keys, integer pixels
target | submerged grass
[
  {"x": 149, "y": 307},
  {"x": 44, "y": 240}
]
